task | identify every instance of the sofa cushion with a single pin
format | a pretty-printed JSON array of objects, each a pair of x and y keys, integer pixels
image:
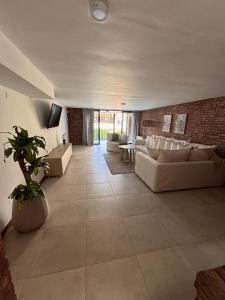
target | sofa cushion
[
  {"x": 148, "y": 140},
  {"x": 168, "y": 144},
  {"x": 155, "y": 141},
  {"x": 161, "y": 143},
  {"x": 153, "y": 153},
  {"x": 198, "y": 155},
  {"x": 173, "y": 155},
  {"x": 138, "y": 137},
  {"x": 209, "y": 149},
  {"x": 141, "y": 148},
  {"x": 109, "y": 137},
  {"x": 183, "y": 145},
  {"x": 115, "y": 137},
  {"x": 122, "y": 138}
]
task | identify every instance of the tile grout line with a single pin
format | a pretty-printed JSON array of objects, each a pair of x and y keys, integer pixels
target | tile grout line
[{"x": 135, "y": 255}]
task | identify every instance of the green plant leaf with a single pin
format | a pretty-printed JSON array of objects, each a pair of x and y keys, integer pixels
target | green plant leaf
[{"x": 8, "y": 152}]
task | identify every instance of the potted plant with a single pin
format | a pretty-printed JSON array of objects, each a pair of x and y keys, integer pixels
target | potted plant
[{"x": 30, "y": 208}]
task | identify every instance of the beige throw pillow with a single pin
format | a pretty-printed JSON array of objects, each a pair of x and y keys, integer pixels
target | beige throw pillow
[
  {"x": 198, "y": 155},
  {"x": 153, "y": 153},
  {"x": 173, "y": 155}
]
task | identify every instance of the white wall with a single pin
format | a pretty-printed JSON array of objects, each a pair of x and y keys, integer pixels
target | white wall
[
  {"x": 63, "y": 128},
  {"x": 18, "y": 109},
  {"x": 19, "y": 73}
]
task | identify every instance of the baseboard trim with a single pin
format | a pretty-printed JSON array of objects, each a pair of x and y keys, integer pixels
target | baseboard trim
[{"x": 6, "y": 229}]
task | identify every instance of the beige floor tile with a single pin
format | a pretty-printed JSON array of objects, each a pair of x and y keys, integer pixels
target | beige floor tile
[
  {"x": 119, "y": 177},
  {"x": 68, "y": 285},
  {"x": 66, "y": 193},
  {"x": 123, "y": 188},
  {"x": 147, "y": 233},
  {"x": 96, "y": 170},
  {"x": 96, "y": 178},
  {"x": 210, "y": 218},
  {"x": 21, "y": 249},
  {"x": 116, "y": 280},
  {"x": 66, "y": 213},
  {"x": 75, "y": 170},
  {"x": 136, "y": 204},
  {"x": 74, "y": 179},
  {"x": 61, "y": 248},
  {"x": 102, "y": 208},
  {"x": 213, "y": 195},
  {"x": 181, "y": 200},
  {"x": 204, "y": 255},
  {"x": 107, "y": 240},
  {"x": 182, "y": 230},
  {"x": 168, "y": 275},
  {"x": 98, "y": 190},
  {"x": 140, "y": 186}
]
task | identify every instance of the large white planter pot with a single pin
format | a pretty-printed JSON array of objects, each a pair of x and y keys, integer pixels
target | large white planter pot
[{"x": 31, "y": 216}]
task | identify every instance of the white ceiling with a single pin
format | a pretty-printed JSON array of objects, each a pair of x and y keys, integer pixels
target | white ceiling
[{"x": 149, "y": 53}]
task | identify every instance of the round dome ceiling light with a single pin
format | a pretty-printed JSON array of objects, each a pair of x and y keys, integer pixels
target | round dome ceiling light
[{"x": 99, "y": 10}]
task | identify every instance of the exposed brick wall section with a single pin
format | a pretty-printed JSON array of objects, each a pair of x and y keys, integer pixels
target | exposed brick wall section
[
  {"x": 205, "y": 122},
  {"x": 75, "y": 125}
]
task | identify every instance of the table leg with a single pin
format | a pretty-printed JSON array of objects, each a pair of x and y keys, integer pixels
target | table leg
[{"x": 121, "y": 154}]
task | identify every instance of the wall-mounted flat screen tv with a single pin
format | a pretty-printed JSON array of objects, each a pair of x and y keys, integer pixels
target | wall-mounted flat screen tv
[{"x": 55, "y": 115}]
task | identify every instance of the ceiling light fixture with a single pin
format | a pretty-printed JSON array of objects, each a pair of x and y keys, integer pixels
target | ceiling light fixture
[{"x": 99, "y": 10}]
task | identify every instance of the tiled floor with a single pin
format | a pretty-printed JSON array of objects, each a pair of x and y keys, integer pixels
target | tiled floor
[{"x": 108, "y": 237}]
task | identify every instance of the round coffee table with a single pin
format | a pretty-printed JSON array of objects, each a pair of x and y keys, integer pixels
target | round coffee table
[{"x": 127, "y": 153}]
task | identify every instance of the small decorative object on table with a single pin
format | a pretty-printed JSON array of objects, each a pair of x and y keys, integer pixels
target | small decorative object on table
[
  {"x": 127, "y": 152},
  {"x": 30, "y": 208}
]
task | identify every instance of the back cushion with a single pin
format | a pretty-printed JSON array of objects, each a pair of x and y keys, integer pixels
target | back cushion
[
  {"x": 184, "y": 145},
  {"x": 173, "y": 155},
  {"x": 115, "y": 137},
  {"x": 123, "y": 138},
  {"x": 155, "y": 141},
  {"x": 148, "y": 141},
  {"x": 209, "y": 149},
  {"x": 110, "y": 137},
  {"x": 161, "y": 143},
  {"x": 138, "y": 138},
  {"x": 168, "y": 144},
  {"x": 198, "y": 155}
]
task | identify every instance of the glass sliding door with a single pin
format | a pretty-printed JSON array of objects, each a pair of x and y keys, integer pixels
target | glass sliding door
[
  {"x": 107, "y": 121},
  {"x": 96, "y": 127}
]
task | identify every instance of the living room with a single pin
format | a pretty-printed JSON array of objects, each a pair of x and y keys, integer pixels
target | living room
[{"x": 112, "y": 159}]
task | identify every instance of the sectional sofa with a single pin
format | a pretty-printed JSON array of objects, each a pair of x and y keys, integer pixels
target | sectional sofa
[{"x": 170, "y": 164}]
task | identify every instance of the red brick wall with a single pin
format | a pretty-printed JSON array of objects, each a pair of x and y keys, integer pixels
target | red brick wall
[
  {"x": 205, "y": 122},
  {"x": 75, "y": 125}
]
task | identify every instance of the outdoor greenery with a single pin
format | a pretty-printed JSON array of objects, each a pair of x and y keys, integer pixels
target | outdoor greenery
[
  {"x": 25, "y": 151},
  {"x": 103, "y": 134}
]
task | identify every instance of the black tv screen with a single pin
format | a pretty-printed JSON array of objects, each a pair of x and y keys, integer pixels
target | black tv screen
[{"x": 55, "y": 115}]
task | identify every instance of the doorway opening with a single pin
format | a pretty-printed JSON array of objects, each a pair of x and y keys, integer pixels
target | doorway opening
[{"x": 109, "y": 121}]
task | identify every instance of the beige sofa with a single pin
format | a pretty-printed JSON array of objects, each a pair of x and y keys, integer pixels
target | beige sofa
[
  {"x": 112, "y": 145},
  {"x": 166, "y": 176}
]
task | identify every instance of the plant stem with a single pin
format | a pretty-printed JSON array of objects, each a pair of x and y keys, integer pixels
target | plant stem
[{"x": 24, "y": 170}]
